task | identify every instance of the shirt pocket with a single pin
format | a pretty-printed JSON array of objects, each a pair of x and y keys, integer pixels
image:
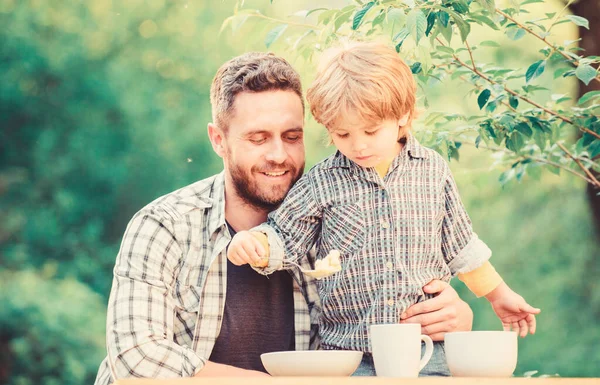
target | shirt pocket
[{"x": 343, "y": 229}]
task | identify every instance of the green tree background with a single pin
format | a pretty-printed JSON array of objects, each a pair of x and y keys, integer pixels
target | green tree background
[{"x": 104, "y": 106}]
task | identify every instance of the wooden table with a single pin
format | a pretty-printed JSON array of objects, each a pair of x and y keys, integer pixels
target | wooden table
[{"x": 363, "y": 381}]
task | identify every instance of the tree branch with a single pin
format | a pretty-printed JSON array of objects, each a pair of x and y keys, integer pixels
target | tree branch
[
  {"x": 551, "y": 45},
  {"x": 587, "y": 172},
  {"x": 524, "y": 98}
]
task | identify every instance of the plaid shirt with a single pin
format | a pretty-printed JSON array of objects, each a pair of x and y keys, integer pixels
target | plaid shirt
[
  {"x": 168, "y": 294},
  {"x": 395, "y": 235}
]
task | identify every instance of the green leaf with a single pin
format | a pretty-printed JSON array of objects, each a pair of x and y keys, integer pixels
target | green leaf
[
  {"x": 460, "y": 7},
  {"x": 416, "y": 68},
  {"x": 588, "y": 96},
  {"x": 483, "y": 98},
  {"x": 585, "y": 73},
  {"x": 489, "y": 5},
  {"x": 515, "y": 142},
  {"x": 540, "y": 139},
  {"x": 445, "y": 49},
  {"x": 513, "y": 101},
  {"x": 416, "y": 24},
  {"x": 594, "y": 149},
  {"x": 358, "y": 17},
  {"x": 447, "y": 32},
  {"x": 430, "y": 22},
  {"x": 485, "y": 20},
  {"x": 587, "y": 139},
  {"x": 344, "y": 16},
  {"x": 506, "y": 176},
  {"x": 443, "y": 17},
  {"x": 515, "y": 33},
  {"x": 489, "y": 43},
  {"x": 579, "y": 21},
  {"x": 560, "y": 71},
  {"x": 535, "y": 70},
  {"x": 463, "y": 27},
  {"x": 532, "y": 2},
  {"x": 400, "y": 37},
  {"x": 524, "y": 129},
  {"x": 396, "y": 17},
  {"x": 274, "y": 34},
  {"x": 324, "y": 17},
  {"x": 477, "y": 141}
]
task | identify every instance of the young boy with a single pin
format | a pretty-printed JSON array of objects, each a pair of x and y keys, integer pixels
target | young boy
[{"x": 389, "y": 205}]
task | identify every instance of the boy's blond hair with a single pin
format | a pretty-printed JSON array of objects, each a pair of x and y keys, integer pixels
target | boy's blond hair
[{"x": 368, "y": 78}]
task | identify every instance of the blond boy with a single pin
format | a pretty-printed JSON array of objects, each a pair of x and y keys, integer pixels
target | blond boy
[{"x": 387, "y": 203}]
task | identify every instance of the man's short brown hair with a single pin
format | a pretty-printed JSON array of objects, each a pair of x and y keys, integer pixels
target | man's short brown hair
[{"x": 250, "y": 72}]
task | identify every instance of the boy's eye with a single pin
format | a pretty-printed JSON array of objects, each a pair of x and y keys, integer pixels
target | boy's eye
[
  {"x": 293, "y": 138},
  {"x": 342, "y": 135},
  {"x": 371, "y": 132}
]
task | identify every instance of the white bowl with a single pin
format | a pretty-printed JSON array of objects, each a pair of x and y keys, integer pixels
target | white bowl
[
  {"x": 481, "y": 353},
  {"x": 317, "y": 363}
]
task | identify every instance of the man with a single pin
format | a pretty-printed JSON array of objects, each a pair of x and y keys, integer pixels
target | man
[{"x": 177, "y": 307}]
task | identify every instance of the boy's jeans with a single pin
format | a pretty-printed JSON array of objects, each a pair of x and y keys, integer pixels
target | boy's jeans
[{"x": 436, "y": 366}]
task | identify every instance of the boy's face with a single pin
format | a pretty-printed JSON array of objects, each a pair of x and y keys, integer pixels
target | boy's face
[
  {"x": 263, "y": 149},
  {"x": 367, "y": 143}
]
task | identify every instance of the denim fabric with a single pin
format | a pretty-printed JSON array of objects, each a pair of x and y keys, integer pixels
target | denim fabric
[{"x": 436, "y": 366}]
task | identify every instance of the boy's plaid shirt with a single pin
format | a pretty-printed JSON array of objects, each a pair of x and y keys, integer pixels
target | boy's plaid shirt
[
  {"x": 168, "y": 294},
  {"x": 395, "y": 235}
]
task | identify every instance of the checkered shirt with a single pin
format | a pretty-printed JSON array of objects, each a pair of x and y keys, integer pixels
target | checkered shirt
[
  {"x": 168, "y": 293},
  {"x": 395, "y": 235}
]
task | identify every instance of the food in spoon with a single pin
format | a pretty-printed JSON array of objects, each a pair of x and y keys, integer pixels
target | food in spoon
[{"x": 327, "y": 266}]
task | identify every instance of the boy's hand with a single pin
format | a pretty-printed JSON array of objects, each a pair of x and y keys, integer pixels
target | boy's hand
[
  {"x": 245, "y": 247},
  {"x": 514, "y": 312}
]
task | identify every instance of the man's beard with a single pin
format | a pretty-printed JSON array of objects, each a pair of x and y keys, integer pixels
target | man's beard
[{"x": 248, "y": 190}]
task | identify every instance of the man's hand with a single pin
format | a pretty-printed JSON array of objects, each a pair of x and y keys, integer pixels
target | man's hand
[
  {"x": 442, "y": 314},
  {"x": 212, "y": 369}
]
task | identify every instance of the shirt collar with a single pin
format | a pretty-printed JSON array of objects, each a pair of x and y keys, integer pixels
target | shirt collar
[
  {"x": 216, "y": 216},
  {"x": 411, "y": 147}
]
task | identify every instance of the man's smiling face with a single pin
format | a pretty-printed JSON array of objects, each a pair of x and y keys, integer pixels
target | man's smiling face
[{"x": 264, "y": 146}]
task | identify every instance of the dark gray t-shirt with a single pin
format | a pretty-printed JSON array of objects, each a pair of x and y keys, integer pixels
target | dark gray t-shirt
[{"x": 258, "y": 317}]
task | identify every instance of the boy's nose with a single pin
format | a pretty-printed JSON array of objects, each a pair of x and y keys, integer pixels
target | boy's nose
[{"x": 359, "y": 145}]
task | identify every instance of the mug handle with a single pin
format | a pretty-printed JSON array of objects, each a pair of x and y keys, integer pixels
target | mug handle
[{"x": 428, "y": 351}]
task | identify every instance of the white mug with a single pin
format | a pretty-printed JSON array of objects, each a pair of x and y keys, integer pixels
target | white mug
[{"x": 397, "y": 349}]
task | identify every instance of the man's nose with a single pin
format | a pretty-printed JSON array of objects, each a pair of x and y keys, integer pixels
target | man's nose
[{"x": 276, "y": 152}]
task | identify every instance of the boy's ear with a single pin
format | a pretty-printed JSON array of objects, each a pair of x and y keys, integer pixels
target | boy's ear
[
  {"x": 403, "y": 120},
  {"x": 217, "y": 139}
]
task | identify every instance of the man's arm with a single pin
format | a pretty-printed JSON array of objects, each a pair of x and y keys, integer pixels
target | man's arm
[
  {"x": 444, "y": 313},
  {"x": 141, "y": 309}
]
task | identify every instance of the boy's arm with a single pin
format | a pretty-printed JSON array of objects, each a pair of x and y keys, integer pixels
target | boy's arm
[
  {"x": 292, "y": 229},
  {"x": 462, "y": 249},
  {"x": 482, "y": 280}
]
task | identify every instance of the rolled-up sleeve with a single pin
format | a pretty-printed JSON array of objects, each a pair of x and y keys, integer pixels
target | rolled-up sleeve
[
  {"x": 141, "y": 307},
  {"x": 292, "y": 228},
  {"x": 461, "y": 247}
]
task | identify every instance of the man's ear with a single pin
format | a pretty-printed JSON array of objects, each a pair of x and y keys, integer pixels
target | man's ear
[
  {"x": 217, "y": 139},
  {"x": 403, "y": 120}
]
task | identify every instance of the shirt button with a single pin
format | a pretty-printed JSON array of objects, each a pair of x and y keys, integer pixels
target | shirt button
[
  {"x": 390, "y": 302},
  {"x": 385, "y": 224},
  {"x": 389, "y": 265}
]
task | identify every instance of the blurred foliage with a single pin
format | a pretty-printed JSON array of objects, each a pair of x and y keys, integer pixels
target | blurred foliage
[
  {"x": 439, "y": 41},
  {"x": 104, "y": 106}
]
